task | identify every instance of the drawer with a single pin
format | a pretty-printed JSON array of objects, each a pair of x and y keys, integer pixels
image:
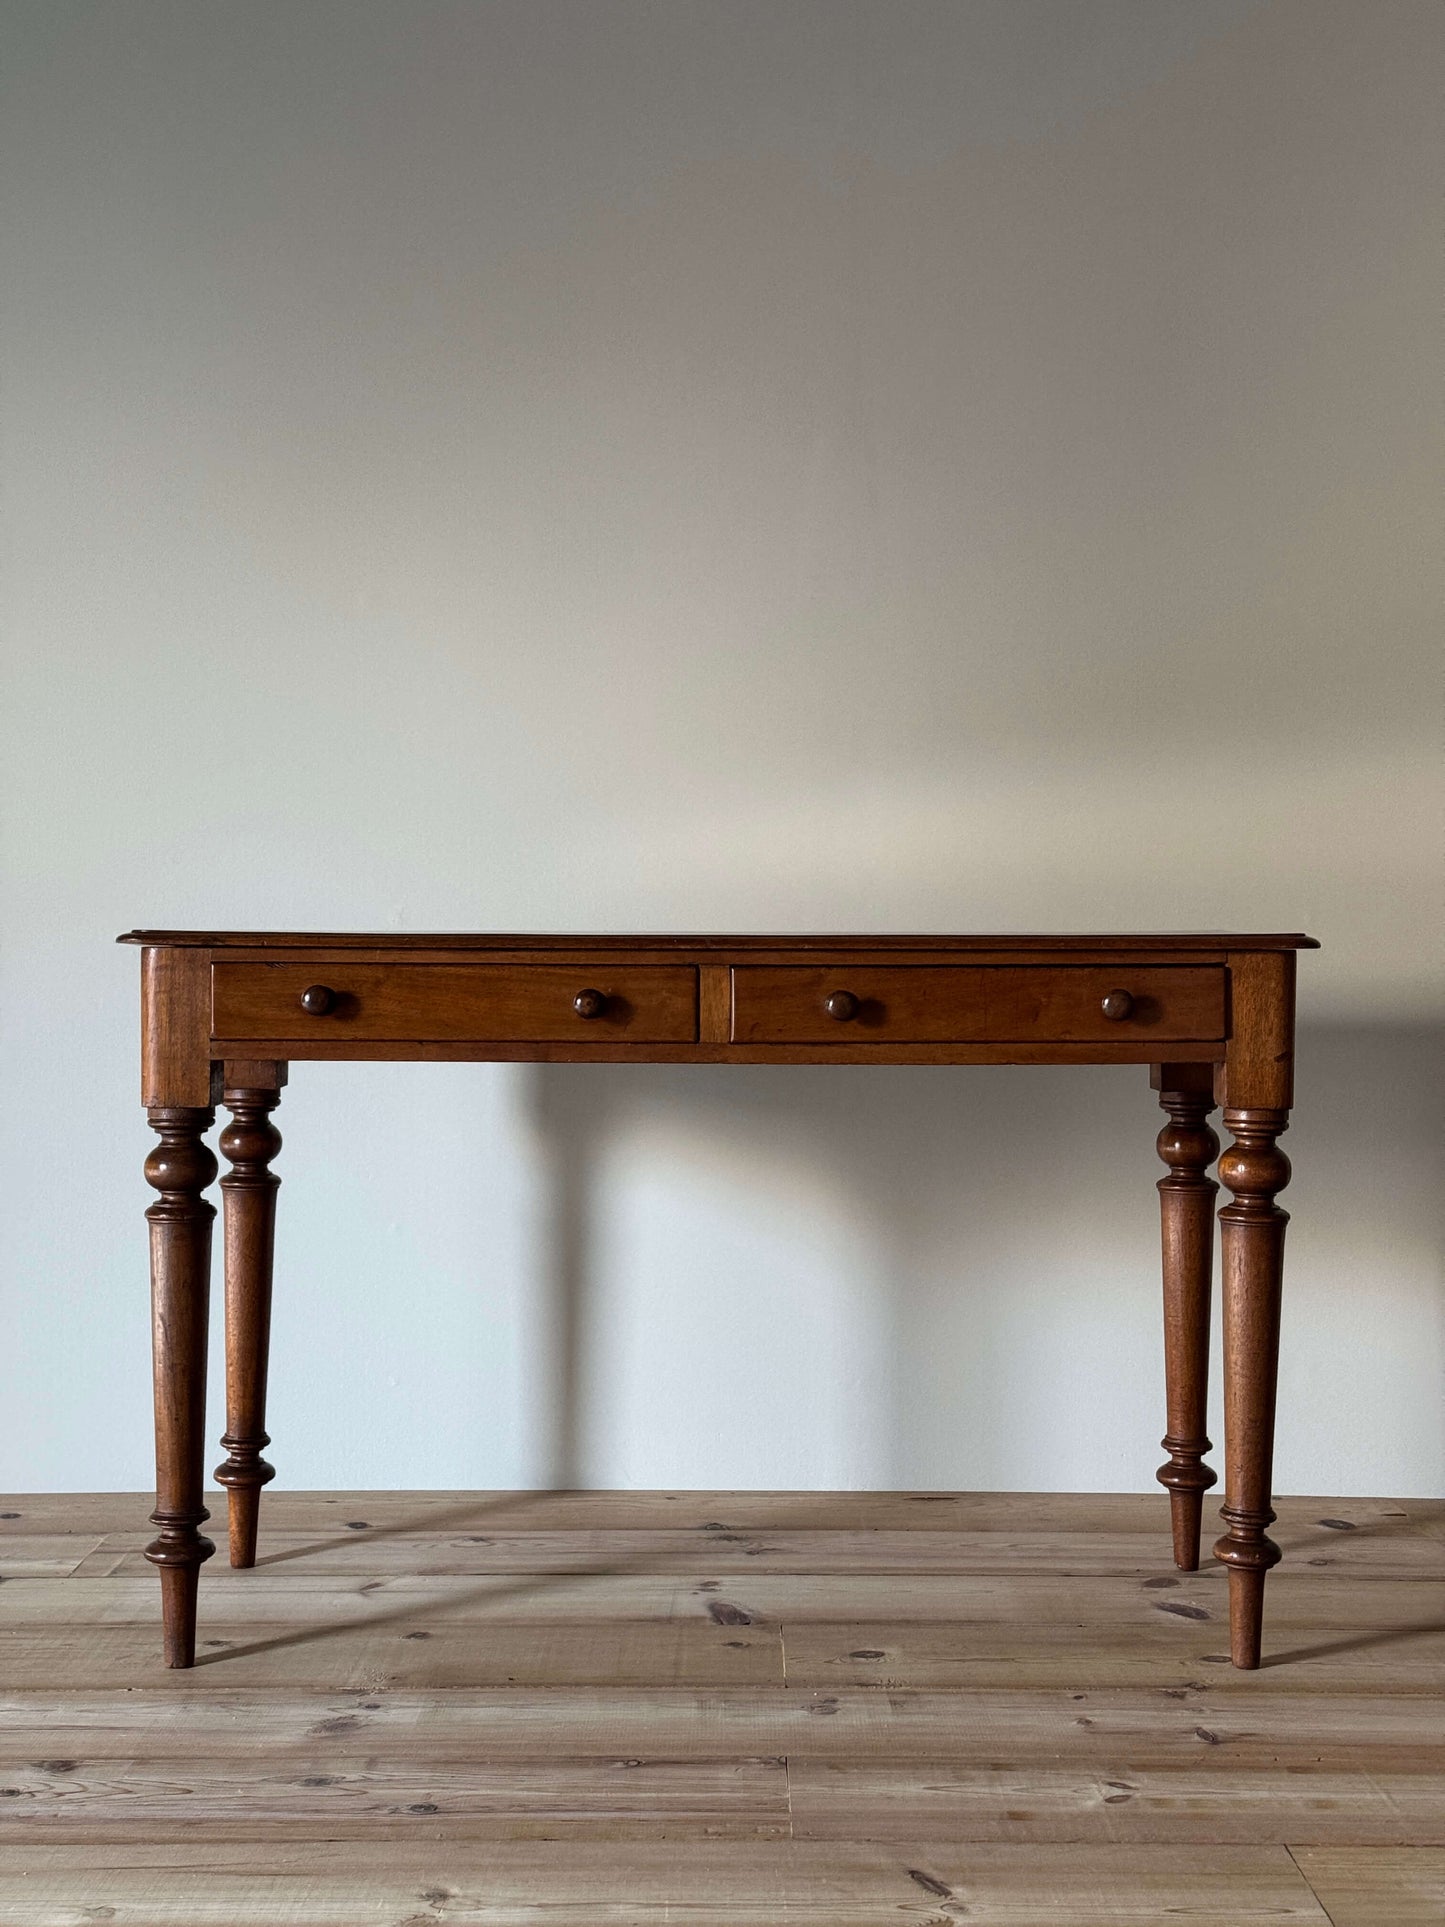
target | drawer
[
  {"x": 1060, "y": 1003},
  {"x": 467, "y": 1003}
]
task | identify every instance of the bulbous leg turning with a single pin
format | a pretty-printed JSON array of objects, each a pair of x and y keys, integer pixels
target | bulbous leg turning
[
  {"x": 1186, "y": 1212},
  {"x": 248, "y": 1193},
  {"x": 179, "y": 1169},
  {"x": 1252, "y": 1227}
]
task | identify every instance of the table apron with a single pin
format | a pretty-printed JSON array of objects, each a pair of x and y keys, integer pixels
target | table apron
[{"x": 603, "y": 1010}]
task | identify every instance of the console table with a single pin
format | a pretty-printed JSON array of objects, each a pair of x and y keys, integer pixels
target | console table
[{"x": 223, "y": 1013}]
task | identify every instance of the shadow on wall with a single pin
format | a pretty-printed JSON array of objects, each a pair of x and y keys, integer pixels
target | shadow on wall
[{"x": 948, "y": 1277}]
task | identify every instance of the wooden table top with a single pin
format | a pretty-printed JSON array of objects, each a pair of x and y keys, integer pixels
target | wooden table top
[{"x": 1209, "y": 940}]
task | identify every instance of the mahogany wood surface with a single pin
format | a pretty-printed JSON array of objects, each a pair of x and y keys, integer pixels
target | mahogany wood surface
[
  {"x": 917, "y": 1004},
  {"x": 1212, "y": 1014},
  {"x": 1256, "y": 1088},
  {"x": 498, "y": 1002},
  {"x": 1186, "y": 1209},
  {"x": 1141, "y": 1048},
  {"x": 251, "y": 1091},
  {"x": 1213, "y": 942},
  {"x": 1252, "y": 1248},
  {"x": 179, "y": 1169}
]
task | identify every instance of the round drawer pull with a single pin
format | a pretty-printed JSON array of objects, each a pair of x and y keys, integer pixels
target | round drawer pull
[
  {"x": 1117, "y": 1006},
  {"x": 590, "y": 1003},
  {"x": 317, "y": 999},
  {"x": 842, "y": 1005}
]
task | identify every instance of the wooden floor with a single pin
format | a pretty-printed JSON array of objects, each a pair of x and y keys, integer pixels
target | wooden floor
[{"x": 722, "y": 1708}]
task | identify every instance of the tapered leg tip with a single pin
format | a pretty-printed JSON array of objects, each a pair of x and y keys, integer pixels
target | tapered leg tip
[
  {"x": 245, "y": 1518},
  {"x": 243, "y": 1546},
  {"x": 1246, "y": 1617},
  {"x": 1186, "y": 1512},
  {"x": 178, "y": 1612}
]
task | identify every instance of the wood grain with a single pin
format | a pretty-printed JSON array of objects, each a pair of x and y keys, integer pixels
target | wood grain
[
  {"x": 179, "y": 1169},
  {"x": 611, "y": 1592},
  {"x": 1176, "y": 1003},
  {"x": 250, "y": 1142},
  {"x": 1395, "y": 1732},
  {"x": 377, "y": 1553},
  {"x": 176, "y": 1066},
  {"x": 1212, "y": 942},
  {"x": 1374, "y": 1887},
  {"x": 412, "y": 1651},
  {"x": 320, "y": 1047},
  {"x": 349, "y": 1793},
  {"x": 789, "y": 1003},
  {"x": 636, "y": 1707},
  {"x": 709, "y": 1884},
  {"x": 822, "y": 1656},
  {"x": 1186, "y": 1220},
  {"x": 496, "y": 1002},
  {"x": 1200, "y": 1801},
  {"x": 1032, "y": 1520},
  {"x": 714, "y": 1003}
]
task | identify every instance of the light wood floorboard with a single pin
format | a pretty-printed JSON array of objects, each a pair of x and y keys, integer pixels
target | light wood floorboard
[
  {"x": 723, "y": 1708},
  {"x": 1366, "y": 1887},
  {"x": 706, "y": 1884}
]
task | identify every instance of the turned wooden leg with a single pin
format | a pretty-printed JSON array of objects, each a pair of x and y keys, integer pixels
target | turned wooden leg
[
  {"x": 1252, "y": 1226},
  {"x": 1186, "y": 1213},
  {"x": 248, "y": 1194},
  {"x": 180, "y": 1168}
]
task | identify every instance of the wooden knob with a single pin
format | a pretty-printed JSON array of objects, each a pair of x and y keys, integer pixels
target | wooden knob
[
  {"x": 317, "y": 999},
  {"x": 590, "y": 1003},
  {"x": 1117, "y": 1006},
  {"x": 843, "y": 1005}
]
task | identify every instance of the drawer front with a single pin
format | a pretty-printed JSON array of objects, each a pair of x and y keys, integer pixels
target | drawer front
[
  {"x": 1060, "y": 1004},
  {"x": 460, "y": 1003}
]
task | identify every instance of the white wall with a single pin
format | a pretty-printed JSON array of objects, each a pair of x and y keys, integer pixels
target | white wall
[{"x": 641, "y": 464}]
